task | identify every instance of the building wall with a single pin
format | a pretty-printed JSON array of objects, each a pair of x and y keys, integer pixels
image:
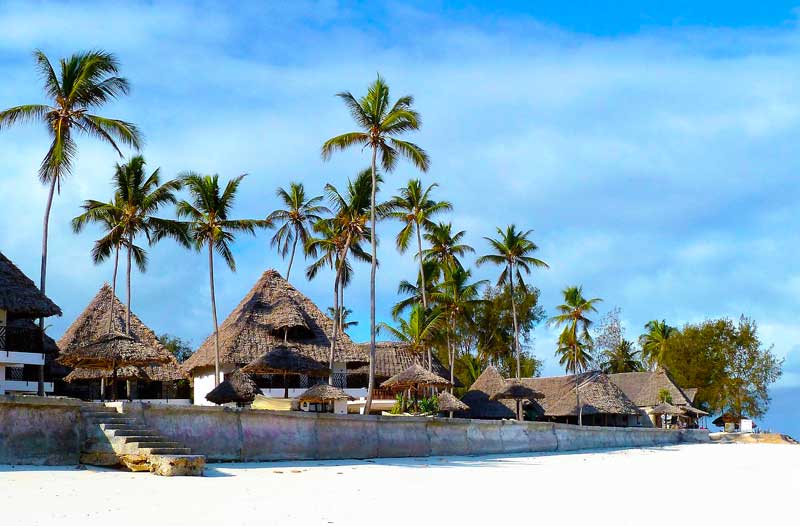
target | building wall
[
  {"x": 41, "y": 431},
  {"x": 203, "y": 383}
]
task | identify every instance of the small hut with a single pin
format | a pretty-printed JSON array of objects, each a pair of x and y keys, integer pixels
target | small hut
[
  {"x": 286, "y": 360},
  {"x": 517, "y": 391},
  {"x": 324, "y": 398},
  {"x": 414, "y": 379},
  {"x": 448, "y": 404},
  {"x": 237, "y": 388},
  {"x": 733, "y": 423},
  {"x": 666, "y": 412}
]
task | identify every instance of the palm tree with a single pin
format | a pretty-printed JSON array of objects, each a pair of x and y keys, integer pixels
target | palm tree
[
  {"x": 512, "y": 250},
  {"x": 457, "y": 298},
  {"x": 209, "y": 226},
  {"x": 380, "y": 123},
  {"x": 621, "y": 359},
  {"x": 446, "y": 247},
  {"x": 575, "y": 341},
  {"x": 413, "y": 293},
  {"x": 297, "y": 216},
  {"x": 343, "y": 315},
  {"x": 420, "y": 328},
  {"x": 85, "y": 81},
  {"x": 655, "y": 340},
  {"x": 415, "y": 208}
]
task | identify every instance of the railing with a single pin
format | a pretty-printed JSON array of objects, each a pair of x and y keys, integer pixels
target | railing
[
  {"x": 20, "y": 339},
  {"x": 15, "y": 373}
]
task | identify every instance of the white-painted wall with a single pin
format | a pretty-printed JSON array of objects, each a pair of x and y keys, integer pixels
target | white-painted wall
[{"x": 203, "y": 380}]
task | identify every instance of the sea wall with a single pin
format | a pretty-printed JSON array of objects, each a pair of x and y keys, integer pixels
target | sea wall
[
  {"x": 39, "y": 430},
  {"x": 227, "y": 434}
]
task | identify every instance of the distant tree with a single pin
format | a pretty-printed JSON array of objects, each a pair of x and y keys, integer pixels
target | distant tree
[
  {"x": 446, "y": 247},
  {"x": 180, "y": 348},
  {"x": 654, "y": 342},
  {"x": 664, "y": 396},
  {"x": 621, "y": 359},
  {"x": 413, "y": 292},
  {"x": 419, "y": 330},
  {"x": 343, "y": 315},
  {"x": 295, "y": 219}
]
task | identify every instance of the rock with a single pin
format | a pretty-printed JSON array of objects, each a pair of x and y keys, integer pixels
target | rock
[{"x": 177, "y": 465}]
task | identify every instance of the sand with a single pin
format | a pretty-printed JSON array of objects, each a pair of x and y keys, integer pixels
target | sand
[{"x": 687, "y": 484}]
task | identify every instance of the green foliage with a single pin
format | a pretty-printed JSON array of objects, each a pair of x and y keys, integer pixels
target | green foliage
[
  {"x": 574, "y": 343},
  {"x": 655, "y": 341},
  {"x": 180, "y": 348},
  {"x": 664, "y": 396},
  {"x": 727, "y": 362},
  {"x": 428, "y": 405},
  {"x": 399, "y": 406},
  {"x": 621, "y": 359}
]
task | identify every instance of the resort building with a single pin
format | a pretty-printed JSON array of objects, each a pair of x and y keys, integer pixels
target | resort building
[
  {"x": 23, "y": 349},
  {"x": 158, "y": 383},
  {"x": 273, "y": 314},
  {"x": 621, "y": 400}
]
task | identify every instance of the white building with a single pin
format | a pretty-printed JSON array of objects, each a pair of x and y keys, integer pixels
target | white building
[{"x": 22, "y": 347}]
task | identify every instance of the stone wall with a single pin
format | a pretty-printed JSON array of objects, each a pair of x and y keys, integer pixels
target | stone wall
[
  {"x": 39, "y": 430},
  {"x": 227, "y": 434}
]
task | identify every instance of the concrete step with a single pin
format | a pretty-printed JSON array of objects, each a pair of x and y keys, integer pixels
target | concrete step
[
  {"x": 165, "y": 451},
  {"x": 132, "y": 435},
  {"x": 119, "y": 425},
  {"x": 177, "y": 465},
  {"x": 146, "y": 444}
]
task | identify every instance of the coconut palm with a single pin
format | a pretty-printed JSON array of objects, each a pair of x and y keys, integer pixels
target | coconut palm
[
  {"x": 419, "y": 330},
  {"x": 85, "y": 82},
  {"x": 574, "y": 343},
  {"x": 621, "y": 359},
  {"x": 415, "y": 209},
  {"x": 457, "y": 298},
  {"x": 432, "y": 273},
  {"x": 512, "y": 250},
  {"x": 343, "y": 316},
  {"x": 209, "y": 226},
  {"x": 654, "y": 341},
  {"x": 380, "y": 126},
  {"x": 446, "y": 247},
  {"x": 299, "y": 214}
]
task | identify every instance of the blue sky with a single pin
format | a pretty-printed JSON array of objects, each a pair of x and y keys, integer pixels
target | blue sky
[{"x": 651, "y": 146}]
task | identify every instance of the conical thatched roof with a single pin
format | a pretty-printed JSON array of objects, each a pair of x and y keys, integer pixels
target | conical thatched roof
[
  {"x": 393, "y": 357},
  {"x": 257, "y": 325},
  {"x": 20, "y": 296},
  {"x": 516, "y": 390},
  {"x": 285, "y": 359},
  {"x": 414, "y": 377},
  {"x": 323, "y": 393},
  {"x": 130, "y": 372},
  {"x": 238, "y": 387},
  {"x": 112, "y": 349},
  {"x": 667, "y": 409},
  {"x": 448, "y": 402},
  {"x": 92, "y": 324},
  {"x": 479, "y": 400},
  {"x": 643, "y": 388}
]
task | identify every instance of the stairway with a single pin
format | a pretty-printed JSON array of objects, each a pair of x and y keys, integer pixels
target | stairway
[{"x": 113, "y": 438}]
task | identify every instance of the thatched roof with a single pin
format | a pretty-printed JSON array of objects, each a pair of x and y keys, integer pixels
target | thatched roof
[
  {"x": 130, "y": 372},
  {"x": 285, "y": 359},
  {"x": 393, "y": 357},
  {"x": 20, "y": 296},
  {"x": 323, "y": 393},
  {"x": 479, "y": 400},
  {"x": 727, "y": 418},
  {"x": 238, "y": 387},
  {"x": 643, "y": 388},
  {"x": 112, "y": 349},
  {"x": 598, "y": 394},
  {"x": 691, "y": 409},
  {"x": 691, "y": 393},
  {"x": 414, "y": 377},
  {"x": 92, "y": 324},
  {"x": 257, "y": 325},
  {"x": 448, "y": 402},
  {"x": 667, "y": 409},
  {"x": 516, "y": 390}
]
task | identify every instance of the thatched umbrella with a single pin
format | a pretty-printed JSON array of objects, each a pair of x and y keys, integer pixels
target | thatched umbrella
[
  {"x": 517, "y": 391},
  {"x": 285, "y": 359},
  {"x": 449, "y": 403},
  {"x": 415, "y": 378},
  {"x": 323, "y": 393},
  {"x": 665, "y": 408},
  {"x": 112, "y": 351},
  {"x": 131, "y": 372},
  {"x": 238, "y": 387}
]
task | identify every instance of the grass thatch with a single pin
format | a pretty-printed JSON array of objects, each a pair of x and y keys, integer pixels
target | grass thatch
[
  {"x": 392, "y": 358},
  {"x": 667, "y": 409},
  {"x": 598, "y": 394},
  {"x": 448, "y": 402},
  {"x": 257, "y": 325},
  {"x": 286, "y": 359},
  {"x": 110, "y": 351},
  {"x": 415, "y": 377},
  {"x": 644, "y": 388},
  {"x": 20, "y": 296},
  {"x": 238, "y": 388},
  {"x": 321, "y": 393},
  {"x": 516, "y": 390}
]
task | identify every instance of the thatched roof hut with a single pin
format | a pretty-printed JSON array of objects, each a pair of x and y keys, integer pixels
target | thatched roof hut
[
  {"x": 392, "y": 358},
  {"x": 92, "y": 324},
  {"x": 238, "y": 388},
  {"x": 644, "y": 388},
  {"x": 728, "y": 418},
  {"x": 322, "y": 393},
  {"x": 130, "y": 372},
  {"x": 20, "y": 296},
  {"x": 598, "y": 394},
  {"x": 479, "y": 397},
  {"x": 271, "y": 311},
  {"x": 516, "y": 390},
  {"x": 110, "y": 350},
  {"x": 667, "y": 409},
  {"x": 415, "y": 377},
  {"x": 449, "y": 403},
  {"x": 286, "y": 359}
]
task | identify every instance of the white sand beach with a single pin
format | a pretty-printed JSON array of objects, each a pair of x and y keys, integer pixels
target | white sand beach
[{"x": 687, "y": 484}]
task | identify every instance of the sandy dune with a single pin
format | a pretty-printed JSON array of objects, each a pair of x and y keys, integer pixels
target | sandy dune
[{"x": 607, "y": 487}]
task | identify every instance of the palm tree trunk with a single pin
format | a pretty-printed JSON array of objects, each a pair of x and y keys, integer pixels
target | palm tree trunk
[
  {"x": 424, "y": 293},
  {"x": 451, "y": 355},
  {"x": 43, "y": 276},
  {"x": 214, "y": 313},
  {"x": 577, "y": 392},
  {"x": 113, "y": 290},
  {"x": 341, "y": 306},
  {"x": 291, "y": 258},
  {"x": 371, "y": 384},
  {"x": 128, "y": 314},
  {"x": 335, "y": 324},
  {"x": 514, "y": 315}
]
